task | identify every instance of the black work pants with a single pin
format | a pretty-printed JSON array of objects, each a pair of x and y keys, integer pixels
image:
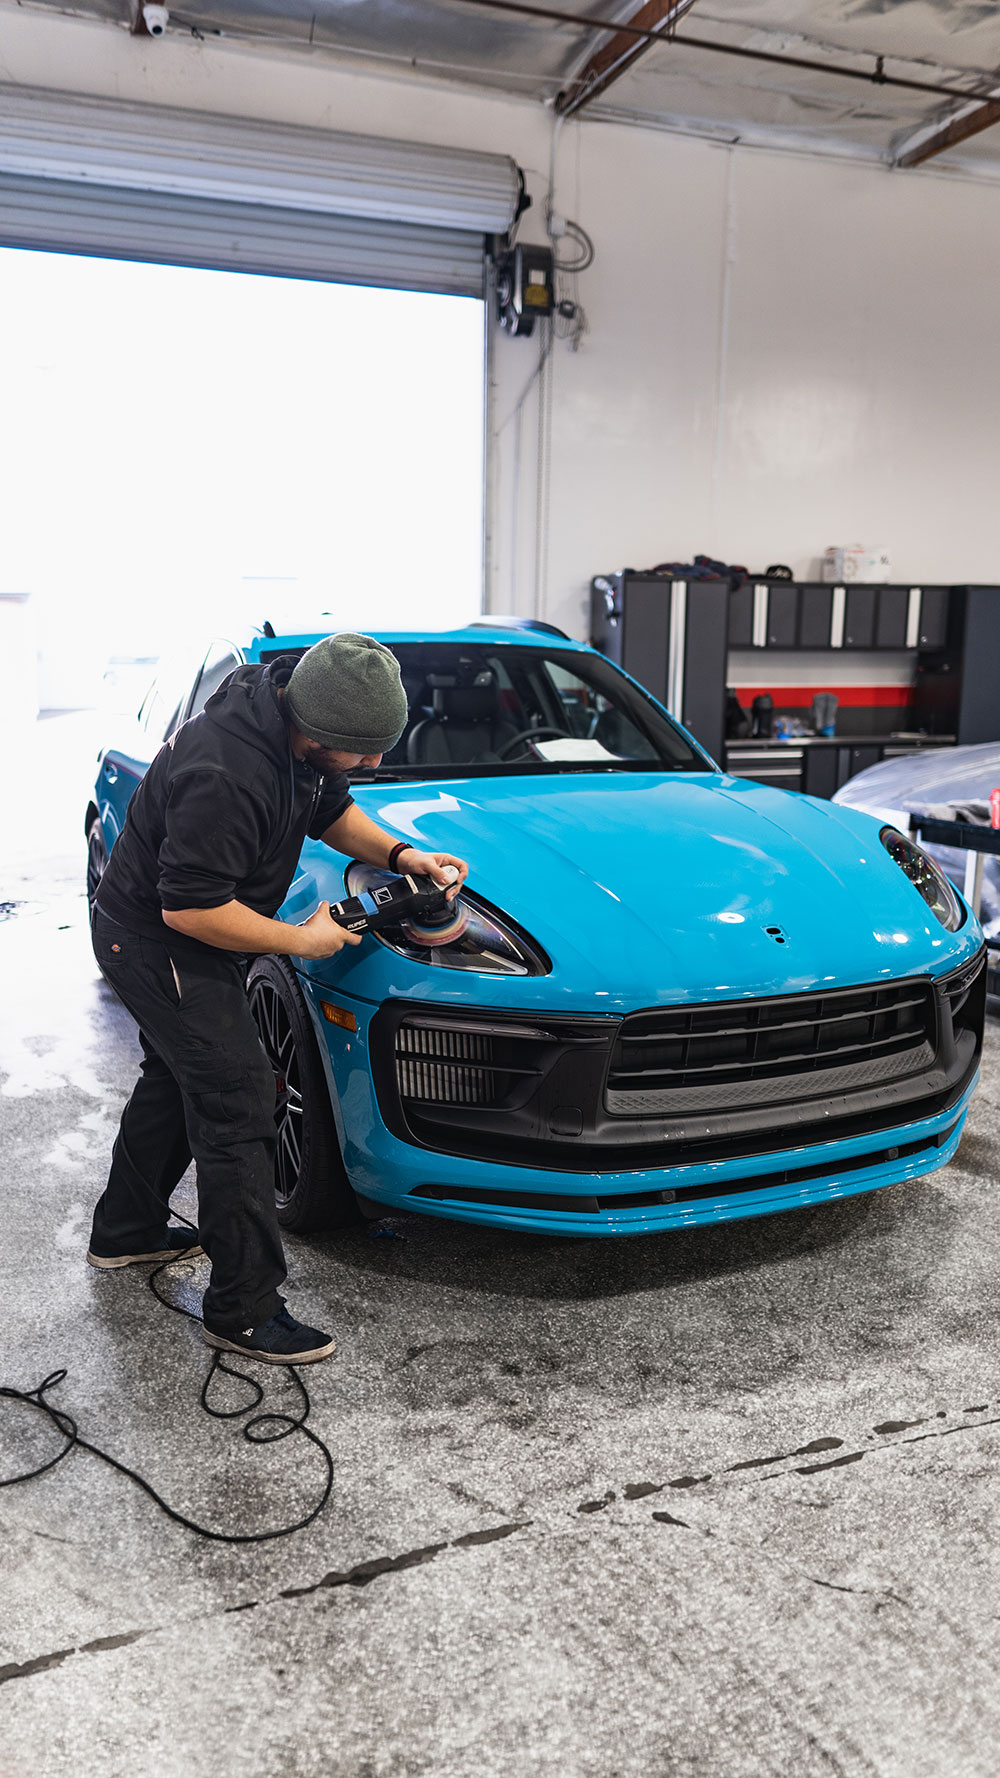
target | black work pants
[{"x": 205, "y": 1091}]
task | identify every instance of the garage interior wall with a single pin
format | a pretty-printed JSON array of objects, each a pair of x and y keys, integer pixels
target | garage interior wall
[{"x": 783, "y": 351}]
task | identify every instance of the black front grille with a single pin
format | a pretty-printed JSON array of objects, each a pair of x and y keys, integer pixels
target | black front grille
[
  {"x": 678, "y": 1084},
  {"x": 681, "y": 1061}
]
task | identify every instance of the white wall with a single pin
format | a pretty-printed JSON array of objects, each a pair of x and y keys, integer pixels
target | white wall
[{"x": 783, "y": 352}]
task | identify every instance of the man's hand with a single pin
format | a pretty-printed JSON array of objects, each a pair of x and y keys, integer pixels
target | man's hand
[
  {"x": 321, "y": 936},
  {"x": 357, "y": 837},
  {"x": 412, "y": 863},
  {"x": 233, "y": 927}
]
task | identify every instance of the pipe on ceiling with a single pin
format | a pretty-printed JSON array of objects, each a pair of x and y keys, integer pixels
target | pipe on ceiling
[{"x": 877, "y": 77}]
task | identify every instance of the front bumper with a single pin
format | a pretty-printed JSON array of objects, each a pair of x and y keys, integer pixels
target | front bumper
[
  {"x": 843, "y": 1177},
  {"x": 595, "y": 1196},
  {"x": 714, "y": 1081}
]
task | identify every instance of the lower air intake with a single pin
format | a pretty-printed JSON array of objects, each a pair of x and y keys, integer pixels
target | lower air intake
[{"x": 445, "y": 1067}]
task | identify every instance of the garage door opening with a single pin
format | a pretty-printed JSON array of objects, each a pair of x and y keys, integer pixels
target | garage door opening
[{"x": 185, "y": 449}]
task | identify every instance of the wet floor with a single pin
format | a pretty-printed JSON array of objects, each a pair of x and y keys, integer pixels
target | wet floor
[{"x": 719, "y": 1504}]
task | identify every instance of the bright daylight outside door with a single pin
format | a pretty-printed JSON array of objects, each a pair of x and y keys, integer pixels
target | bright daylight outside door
[{"x": 184, "y": 450}]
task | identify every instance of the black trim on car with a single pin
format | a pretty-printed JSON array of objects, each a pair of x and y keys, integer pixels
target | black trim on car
[
  {"x": 573, "y": 1205},
  {"x": 532, "y": 1090}
]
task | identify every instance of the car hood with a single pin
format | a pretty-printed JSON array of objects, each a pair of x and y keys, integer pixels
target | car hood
[{"x": 649, "y": 888}]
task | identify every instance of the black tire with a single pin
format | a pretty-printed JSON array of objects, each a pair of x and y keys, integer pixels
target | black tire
[
  {"x": 311, "y": 1186},
  {"x": 97, "y": 858}
]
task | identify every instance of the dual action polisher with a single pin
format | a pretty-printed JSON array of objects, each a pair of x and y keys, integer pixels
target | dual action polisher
[{"x": 418, "y": 905}]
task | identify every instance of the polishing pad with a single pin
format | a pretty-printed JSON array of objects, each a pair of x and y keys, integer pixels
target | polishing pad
[{"x": 438, "y": 934}]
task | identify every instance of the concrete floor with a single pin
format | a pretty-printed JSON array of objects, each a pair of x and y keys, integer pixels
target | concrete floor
[{"x": 713, "y": 1505}]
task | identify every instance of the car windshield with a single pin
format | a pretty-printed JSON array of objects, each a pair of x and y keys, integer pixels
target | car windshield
[{"x": 485, "y": 709}]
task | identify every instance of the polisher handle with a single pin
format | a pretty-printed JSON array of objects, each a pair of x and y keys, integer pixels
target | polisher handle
[{"x": 390, "y": 902}]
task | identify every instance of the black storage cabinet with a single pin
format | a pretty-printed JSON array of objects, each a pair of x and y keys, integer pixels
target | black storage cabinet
[
  {"x": 957, "y": 691},
  {"x": 671, "y": 636}
]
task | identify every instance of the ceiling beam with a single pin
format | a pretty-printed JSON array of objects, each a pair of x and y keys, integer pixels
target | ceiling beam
[
  {"x": 609, "y": 63},
  {"x": 876, "y": 76},
  {"x": 924, "y": 145}
]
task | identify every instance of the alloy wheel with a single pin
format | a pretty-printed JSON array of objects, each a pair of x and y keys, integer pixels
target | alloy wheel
[
  {"x": 278, "y": 1040},
  {"x": 97, "y": 858}
]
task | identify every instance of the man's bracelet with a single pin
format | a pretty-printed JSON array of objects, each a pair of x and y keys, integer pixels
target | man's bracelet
[{"x": 400, "y": 846}]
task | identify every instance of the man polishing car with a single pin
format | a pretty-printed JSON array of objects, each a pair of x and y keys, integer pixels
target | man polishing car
[{"x": 205, "y": 859}]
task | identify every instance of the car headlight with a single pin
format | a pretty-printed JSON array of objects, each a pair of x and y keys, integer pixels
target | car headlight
[
  {"x": 481, "y": 940},
  {"x": 927, "y": 879}
]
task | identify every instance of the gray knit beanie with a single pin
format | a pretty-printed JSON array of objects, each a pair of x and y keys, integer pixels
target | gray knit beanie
[{"x": 346, "y": 693}]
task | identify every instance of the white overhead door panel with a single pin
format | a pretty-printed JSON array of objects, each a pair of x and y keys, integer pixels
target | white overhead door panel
[
  {"x": 87, "y": 176},
  {"x": 58, "y": 217}
]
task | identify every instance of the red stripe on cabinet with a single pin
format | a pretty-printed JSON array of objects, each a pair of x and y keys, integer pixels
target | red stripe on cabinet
[{"x": 793, "y": 697}]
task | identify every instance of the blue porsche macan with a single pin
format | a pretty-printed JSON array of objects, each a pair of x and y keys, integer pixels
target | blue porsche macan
[{"x": 668, "y": 996}]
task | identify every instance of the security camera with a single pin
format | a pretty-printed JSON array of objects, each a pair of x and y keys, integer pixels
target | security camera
[{"x": 156, "y": 19}]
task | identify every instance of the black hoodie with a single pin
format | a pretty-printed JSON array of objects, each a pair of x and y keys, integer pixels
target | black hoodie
[{"x": 221, "y": 814}]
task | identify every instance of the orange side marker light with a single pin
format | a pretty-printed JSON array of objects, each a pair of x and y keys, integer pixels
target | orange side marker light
[{"x": 338, "y": 1015}]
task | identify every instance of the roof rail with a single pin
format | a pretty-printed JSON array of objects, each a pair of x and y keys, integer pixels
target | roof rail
[{"x": 518, "y": 623}]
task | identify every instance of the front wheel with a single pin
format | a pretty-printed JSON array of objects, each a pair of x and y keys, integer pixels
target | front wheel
[
  {"x": 311, "y": 1186},
  {"x": 97, "y": 858}
]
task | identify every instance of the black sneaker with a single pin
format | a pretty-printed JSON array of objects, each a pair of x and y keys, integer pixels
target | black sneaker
[
  {"x": 282, "y": 1340},
  {"x": 179, "y": 1244}
]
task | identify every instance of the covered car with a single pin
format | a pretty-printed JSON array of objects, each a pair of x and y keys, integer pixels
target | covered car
[{"x": 953, "y": 783}]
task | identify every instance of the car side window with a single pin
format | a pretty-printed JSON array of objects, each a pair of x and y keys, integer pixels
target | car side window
[
  {"x": 221, "y": 660},
  {"x": 161, "y": 709}
]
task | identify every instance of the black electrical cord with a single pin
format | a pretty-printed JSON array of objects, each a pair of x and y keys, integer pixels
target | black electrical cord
[
  {"x": 585, "y": 257},
  {"x": 283, "y": 1424}
]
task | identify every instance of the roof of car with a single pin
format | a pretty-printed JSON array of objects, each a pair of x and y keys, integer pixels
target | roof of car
[{"x": 526, "y": 634}]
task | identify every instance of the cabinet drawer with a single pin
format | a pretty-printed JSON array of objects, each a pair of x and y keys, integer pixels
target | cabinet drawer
[
  {"x": 859, "y": 617},
  {"x": 891, "y": 612},
  {"x": 741, "y": 617},
  {"x": 933, "y": 628},
  {"x": 815, "y": 615},
  {"x": 782, "y": 616}
]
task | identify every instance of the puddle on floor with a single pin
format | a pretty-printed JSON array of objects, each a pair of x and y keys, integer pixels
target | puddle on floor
[{"x": 12, "y": 910}]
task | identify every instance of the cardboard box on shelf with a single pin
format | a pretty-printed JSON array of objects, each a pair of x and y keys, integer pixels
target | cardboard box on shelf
[{"x": 857, "y": 562}]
